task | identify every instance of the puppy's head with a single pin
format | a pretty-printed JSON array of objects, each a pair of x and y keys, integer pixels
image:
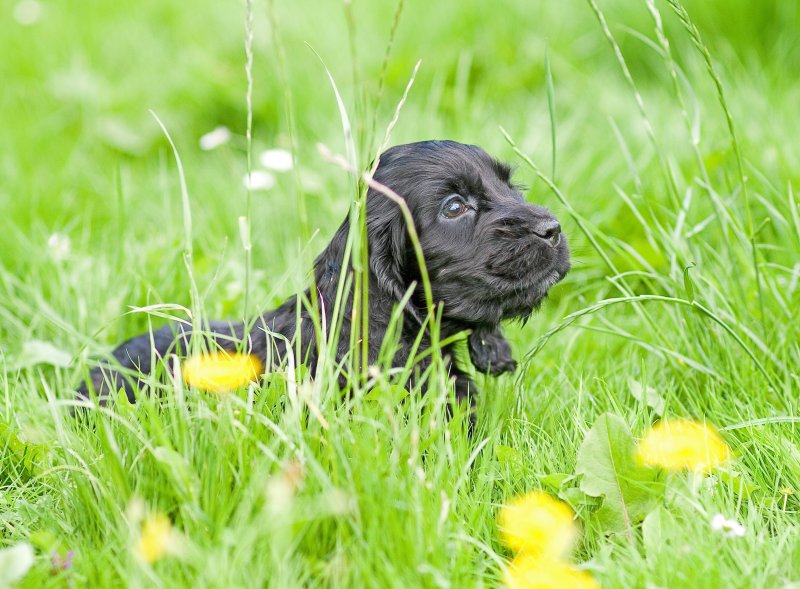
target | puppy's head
[{"x": 490, "y": 254}]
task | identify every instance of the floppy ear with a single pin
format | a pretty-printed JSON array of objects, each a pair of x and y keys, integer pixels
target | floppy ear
[
  {"x": 387, "y": 237},
  {"x": 328, "y": 265}
]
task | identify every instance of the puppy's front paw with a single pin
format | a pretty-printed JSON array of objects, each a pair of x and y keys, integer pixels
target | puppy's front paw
[{"x": 490, "y": 352}]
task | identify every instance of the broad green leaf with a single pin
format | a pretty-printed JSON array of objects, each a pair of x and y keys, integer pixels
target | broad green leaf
[
  {"x": 507, "y": 455},
  {"x": 40, "y": 352},
  {"x": 648, "y": 395},
  {"x": 653, "y": 531},
  {"x": 391, "y": 393},
  {"x": 577, "y": 499},
  {"x": 554, "y": 480},
  {"x": 737, "y": 482},
  {"x": 29, "y": 456},
  {"x": 606, "y": 462},
  {"x": 45, "y": 540}
]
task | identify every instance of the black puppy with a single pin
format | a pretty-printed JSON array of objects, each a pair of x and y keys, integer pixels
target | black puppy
[{"x": 490, "y": 256}]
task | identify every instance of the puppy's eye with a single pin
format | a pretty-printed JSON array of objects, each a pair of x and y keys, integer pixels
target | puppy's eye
[{"x": 454, "y": 207}]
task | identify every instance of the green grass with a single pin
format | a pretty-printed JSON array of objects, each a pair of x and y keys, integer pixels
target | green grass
[{"x": 392, "y": 495}]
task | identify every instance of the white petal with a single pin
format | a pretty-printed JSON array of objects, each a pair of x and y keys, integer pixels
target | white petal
[
  {"x": 59, "y": 246},
  {"x": 259, "y": 180},
  {"x": 718, "y": 522},
  {"x": 737, "y": 530},
  {"x": 15, "y": 562},
  {"x": 278, "y": 160},
  {"x": 215, "y": 138},
  {"x": 28, "y": 12}
]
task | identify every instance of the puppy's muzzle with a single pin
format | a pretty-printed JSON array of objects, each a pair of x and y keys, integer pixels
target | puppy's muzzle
[
  {"x": 529, "y": 222},
  {"x": 531, "y": 246},
  {"x": 548, "y": 229}
]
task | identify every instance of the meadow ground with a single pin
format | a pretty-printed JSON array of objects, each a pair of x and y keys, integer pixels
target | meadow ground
[{"x": 676, "y": 164}]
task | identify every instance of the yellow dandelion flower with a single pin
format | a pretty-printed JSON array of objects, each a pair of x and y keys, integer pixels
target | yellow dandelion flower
[
  {"x": 539, "y": 525},
  {"x": 221, "y": 372},
  {"x": 683, "y": 444},
  {"x": 156, "y": 539},
  {"x": 530, "y": 572}
]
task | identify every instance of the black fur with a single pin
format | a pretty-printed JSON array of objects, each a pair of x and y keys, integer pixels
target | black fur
[{"x": 494, "y": 260}]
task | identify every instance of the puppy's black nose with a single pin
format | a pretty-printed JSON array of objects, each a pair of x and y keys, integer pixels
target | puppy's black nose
[{"x": 548, "y": 229}]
